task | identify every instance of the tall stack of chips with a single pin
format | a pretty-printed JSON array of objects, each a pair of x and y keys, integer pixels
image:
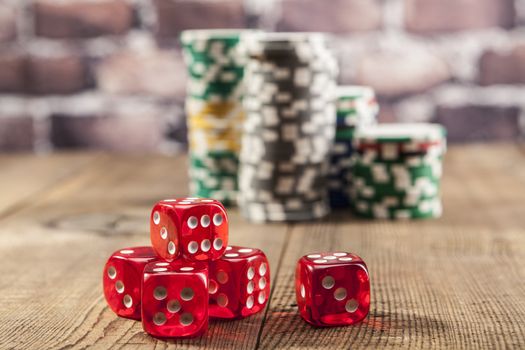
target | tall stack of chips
[
  {"x": 397, "y": 170},
  {"x": 214, "y": 111},
  {"x": 289, "y": 129},
  {"x": 356, "y": 106}
]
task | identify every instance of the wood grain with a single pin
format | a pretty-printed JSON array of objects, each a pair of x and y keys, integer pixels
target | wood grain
[
  {"x": 55, "y": 247},
  {"x": 22, "y": 176},
  {"x": 457, "y": 282}
]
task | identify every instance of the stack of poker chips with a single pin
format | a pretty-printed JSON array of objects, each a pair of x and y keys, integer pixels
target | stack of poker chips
[
  {"x": 214, "y": 111},
  {"x": 397, "y": 170},
  {"x": 289, "y": 128},
  {"x": 356, "y": 106}
]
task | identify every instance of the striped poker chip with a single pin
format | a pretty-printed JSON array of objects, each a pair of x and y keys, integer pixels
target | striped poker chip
[
  {"x": 214, "y": 110},
  {"x": 409, "y": 134},
  {"x": 291, "y": 210},
  {"x": 289, "y": 100},
  {"x": 356, "y": 107},
  {"x": 396, "y": 171},
  {"x": 425, "y": 209},
  {"x": 215, "y": 163},
  {"x": 214, "y": 175}
]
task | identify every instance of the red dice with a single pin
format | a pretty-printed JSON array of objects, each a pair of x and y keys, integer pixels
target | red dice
[
  {"x": 193, "y": 229},
  {"x": 122, "y": 279},
  {"x": 189, "y": 274},
  {"x": 239, "y": 283},
  {"x": 175, "y": 299},
  {"x": 332, "y": 289}
]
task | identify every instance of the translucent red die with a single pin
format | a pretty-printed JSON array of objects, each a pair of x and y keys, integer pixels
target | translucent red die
[
  {"x": 239, "y": 283},
  {"x": 332, "y": 289},
  {"x": 123, "y": 277},
  {"x": 175, "y": 299},
  {"x": 195, "y": 229}
]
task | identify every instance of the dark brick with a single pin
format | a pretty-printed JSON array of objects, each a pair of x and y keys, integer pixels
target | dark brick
[
  {"x": 337, "y": 16},
  {"x": 394, "y": 74},
  {"x": 82, "y": 18},
  {"x": 57, "y": 75},
  {"x": 503, "y": 68},
  {"x": 435, "y": 16},
  {"x": 7, "y": 23},
  {"x": 12, "y": 73},
  {"x": 16, "y": 133},
  {"x": 111, "y": 133},
  {"x": 157, "y": 72},
  {"x": 479, "y": 123},
  {"x": 177, "y": 15}
]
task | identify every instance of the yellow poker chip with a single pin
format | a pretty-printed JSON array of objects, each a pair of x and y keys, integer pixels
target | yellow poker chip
[
  {"x": 197, "y": 107},
  {"x": 229, "y": 134},
  {"x": 210, "y": 139},
  {"x": 197, "y": 146},
  {"x": 214, "y": 125}
]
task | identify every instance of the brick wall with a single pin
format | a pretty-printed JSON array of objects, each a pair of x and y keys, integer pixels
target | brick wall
[{"x": 108, "y": 74}]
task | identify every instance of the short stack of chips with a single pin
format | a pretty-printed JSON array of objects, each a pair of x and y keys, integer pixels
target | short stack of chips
[
  {"x": 356, "y": 106},
  {"x": 397, "y": 170},
  {"x": 214, "y": 111},
  {"x": 289, "y": 128}
]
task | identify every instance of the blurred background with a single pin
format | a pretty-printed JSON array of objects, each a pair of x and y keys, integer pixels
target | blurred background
[{"x": 108, "y": 74}]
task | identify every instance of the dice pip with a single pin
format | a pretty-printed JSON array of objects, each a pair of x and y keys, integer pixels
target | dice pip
[{"x": 332, "y": 289}]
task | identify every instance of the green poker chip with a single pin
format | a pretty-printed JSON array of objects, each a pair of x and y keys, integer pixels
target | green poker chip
[
  {"x": 214, "y": 175},
  {"x": 213, "y": 156},
  {"x": 379, "y": 172},
  {"x": 409, "y": 159},
  {"x": 210, "y": 42},
  {"x": 215, "y": 71},
  {"x": 213, "y": 91},
  {"x": 344, "y": 133},
  {"x": 222, "y": 189},
  {"x": 397, "y": 200},
  {"x": 431, "y": 208},
  {"x": 399, "y": 214},
  {"x": 396, "y": 185},
  {"x": 215, "y": 163}
]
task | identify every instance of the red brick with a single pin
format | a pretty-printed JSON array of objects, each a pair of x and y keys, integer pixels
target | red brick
[
  {"x": 160, "y": 73},
  {"x": 7, "y": 23},
  {"x": 111, "y": 133},
  {"x": 479, "y": 123},
  {"x": 177, "y": 15},
  {"x": 16, "y": 133},
  {"x": 387, "y": 113},
  {"x": 394, "y": 74},
  {"x": 57, "y": 75},
  {"x": 82, "y": 18},
  {"x": 434, "y": 16},
  {"x": 12, "y": 73},
  {"x": 503, "y": 67},
  {"x": 337, "y": 16}
]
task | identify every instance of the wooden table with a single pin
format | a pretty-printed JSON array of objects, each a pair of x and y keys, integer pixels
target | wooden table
[{"x": 457, "y": 282}]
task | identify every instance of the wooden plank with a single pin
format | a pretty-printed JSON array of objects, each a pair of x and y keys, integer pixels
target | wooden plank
[
  {"x": 457, "y": 282},
  {"x": 55, "y": 247},
  {"x": 24, "y": 176}
]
